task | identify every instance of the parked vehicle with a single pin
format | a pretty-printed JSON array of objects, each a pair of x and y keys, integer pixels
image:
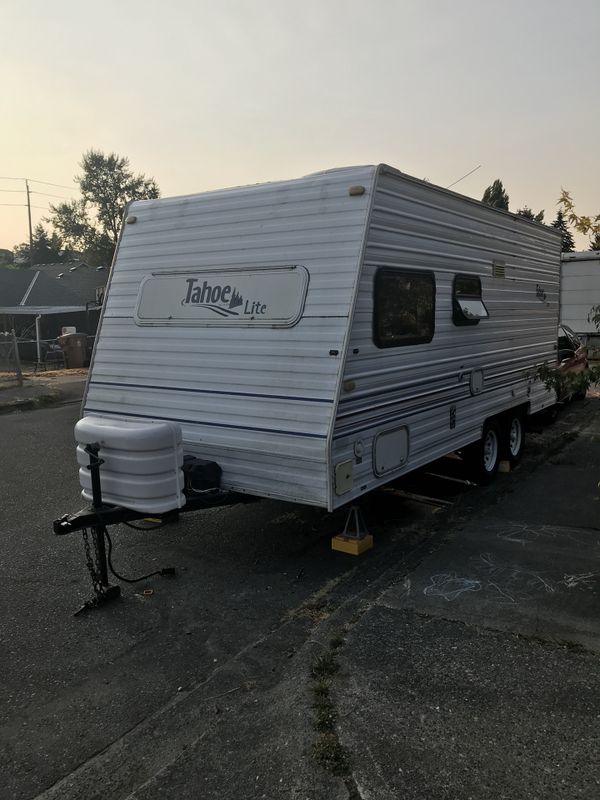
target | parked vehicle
[
  {"x": 572, "y": 357},
  {"x": 318, "y": 338}
]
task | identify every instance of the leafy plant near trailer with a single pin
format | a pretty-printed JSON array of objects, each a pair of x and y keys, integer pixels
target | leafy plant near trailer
[{"x": 565, "y": 384}]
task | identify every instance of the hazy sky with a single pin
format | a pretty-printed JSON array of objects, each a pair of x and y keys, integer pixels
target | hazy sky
[{"x": 203, "y": 95}]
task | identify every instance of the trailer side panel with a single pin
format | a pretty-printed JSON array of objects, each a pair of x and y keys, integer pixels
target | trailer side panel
[{"x": 402, "y": 406}]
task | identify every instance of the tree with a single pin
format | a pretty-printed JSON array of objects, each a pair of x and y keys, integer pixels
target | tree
[
  {"x": 6, "y": 258},
  {"x": 92, "y": 223},
  {"x": 584, "y": 224},
  {"x": 568, "y": 243},
  {"x": 495, "y": 195},
  {"x": 595, "y": 242},
  {"x": 528, "y": 214},
  {"x": 47, "y": 248}
]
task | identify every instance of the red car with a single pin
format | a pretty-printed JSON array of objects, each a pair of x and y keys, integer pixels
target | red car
[{"x": 572, "y": 357}]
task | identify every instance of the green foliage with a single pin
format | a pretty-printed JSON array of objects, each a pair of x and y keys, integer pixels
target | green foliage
[
  {"x": 583, "y": 224},
  {"x": 330, "y": 755},
  {"x": 495, "y": 195},
  {"x": 6, "y": 258},
  {"x": 595, "y": 241},
  {"x": 568, "y": 243},
  {"x": 325, "y": 666},
  {"x": 92, "y": 223},
  {"x": 47, "y": 248},
  {"x": 566, "y": 384},
  {"x": 528, "y": 214},
  {"x": 79, "y": 230}
]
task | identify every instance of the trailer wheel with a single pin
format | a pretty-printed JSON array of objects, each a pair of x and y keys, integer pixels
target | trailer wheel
[
  {"x": 513, "y": 439},
  {"x": 482, "y": 457}
]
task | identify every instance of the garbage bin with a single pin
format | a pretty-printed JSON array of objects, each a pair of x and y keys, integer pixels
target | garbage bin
[{"x": 74, "y": 346}]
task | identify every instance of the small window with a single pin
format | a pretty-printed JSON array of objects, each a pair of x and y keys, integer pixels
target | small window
[
  {"x": 404, "y": 310},
  {"x": 467, "y": 306}
]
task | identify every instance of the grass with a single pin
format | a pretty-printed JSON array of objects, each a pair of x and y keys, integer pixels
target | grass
[
  {"x": 324, "y": 666},
  {"x": 327, "y": 749},
  {"x": 329, "y": 753}
]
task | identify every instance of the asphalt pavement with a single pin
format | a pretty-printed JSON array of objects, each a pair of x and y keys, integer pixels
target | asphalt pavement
[
  {"x": 215, "y": 684},
  {"x": 475, "y": 675}
]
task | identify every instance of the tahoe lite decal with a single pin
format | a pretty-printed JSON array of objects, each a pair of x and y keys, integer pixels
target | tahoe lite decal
[
  {"x": 255, "y": 296},
  {"x": 220, "y": 299}
]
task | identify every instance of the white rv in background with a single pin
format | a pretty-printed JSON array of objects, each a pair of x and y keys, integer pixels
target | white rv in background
[
  {"x": 579, "y": 292},
  {"x": 320, "y": 337}
]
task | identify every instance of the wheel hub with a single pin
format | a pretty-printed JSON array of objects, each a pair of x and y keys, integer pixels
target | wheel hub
[
  {"x": 490, "y": 451},
  {"x": 515, "y": 437}
]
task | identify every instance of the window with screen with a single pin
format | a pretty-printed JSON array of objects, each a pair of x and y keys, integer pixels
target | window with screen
[
  {"x": 467, "y": 306},
  {"x": 404, "y": 308}
]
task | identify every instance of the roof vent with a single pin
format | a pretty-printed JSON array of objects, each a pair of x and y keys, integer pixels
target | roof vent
[{"x": 498, "y": 269}]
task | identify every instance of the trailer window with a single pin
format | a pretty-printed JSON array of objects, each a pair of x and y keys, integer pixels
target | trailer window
[
  {"x": 467, "y": 306},
  {"x": 404, "y": 310}
]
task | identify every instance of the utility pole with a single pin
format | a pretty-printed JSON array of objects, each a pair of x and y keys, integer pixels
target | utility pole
[{"x": 29, "y": 217}]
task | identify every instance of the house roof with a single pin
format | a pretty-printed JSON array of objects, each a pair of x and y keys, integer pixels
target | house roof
[
  {"x": 76, "y": 276},
  {"x": 26, "y": 289},
  {"x": 13, "y": 285},
  {"x": 43, "y": 311}
]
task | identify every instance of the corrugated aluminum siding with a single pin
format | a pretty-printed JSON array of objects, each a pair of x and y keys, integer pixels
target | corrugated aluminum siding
[
  {"x": 579, "y": 291},
  {"x": 259, "y": 401},
  {"x": 417, "y": 226}
]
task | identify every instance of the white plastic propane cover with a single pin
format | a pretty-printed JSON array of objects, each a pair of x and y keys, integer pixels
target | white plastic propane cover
[{"x": 142, "y": 462}]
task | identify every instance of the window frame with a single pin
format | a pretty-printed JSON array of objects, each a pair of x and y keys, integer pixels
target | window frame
[
  {"x": 458, "y": 317},
  {"x": 380, "y": 275}
]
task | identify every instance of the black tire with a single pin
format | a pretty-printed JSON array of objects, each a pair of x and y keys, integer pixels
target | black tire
[
  {"x": 483, "y": 457},
  {"x": 513, "y": 437}
]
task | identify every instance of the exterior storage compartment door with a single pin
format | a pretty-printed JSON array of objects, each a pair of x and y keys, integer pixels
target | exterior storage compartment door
[{"x": 390, "y": 450}]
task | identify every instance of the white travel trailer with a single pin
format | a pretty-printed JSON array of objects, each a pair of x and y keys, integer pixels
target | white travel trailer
[
  {"x": 579, "y": 292},
  {"x": 319, "y": 337}
]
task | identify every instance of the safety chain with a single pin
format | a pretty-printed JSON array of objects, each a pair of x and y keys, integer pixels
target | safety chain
[{"x": 92, "y": 564}]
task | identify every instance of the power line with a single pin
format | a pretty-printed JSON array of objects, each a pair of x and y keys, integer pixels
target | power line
[
  {"x": 24, "y": 205},
  {"x": 13, "y": 190},
  {"x": 47, "y": 183},
  {"x": 464, "y": 176},
  {"x": 45, "y": 194},
  {"x": 33, "y": 180}
]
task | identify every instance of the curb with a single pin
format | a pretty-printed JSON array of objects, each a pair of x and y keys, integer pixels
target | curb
[{"x": 42, "y": 401}]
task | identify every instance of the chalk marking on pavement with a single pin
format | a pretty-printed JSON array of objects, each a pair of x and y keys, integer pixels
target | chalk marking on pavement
[
  {"x": 450, "y": 586},
  {"x": 570, "y": 581}
]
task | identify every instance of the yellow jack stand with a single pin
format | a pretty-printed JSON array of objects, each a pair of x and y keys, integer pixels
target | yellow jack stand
[{"x": 355, "y": 539}]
